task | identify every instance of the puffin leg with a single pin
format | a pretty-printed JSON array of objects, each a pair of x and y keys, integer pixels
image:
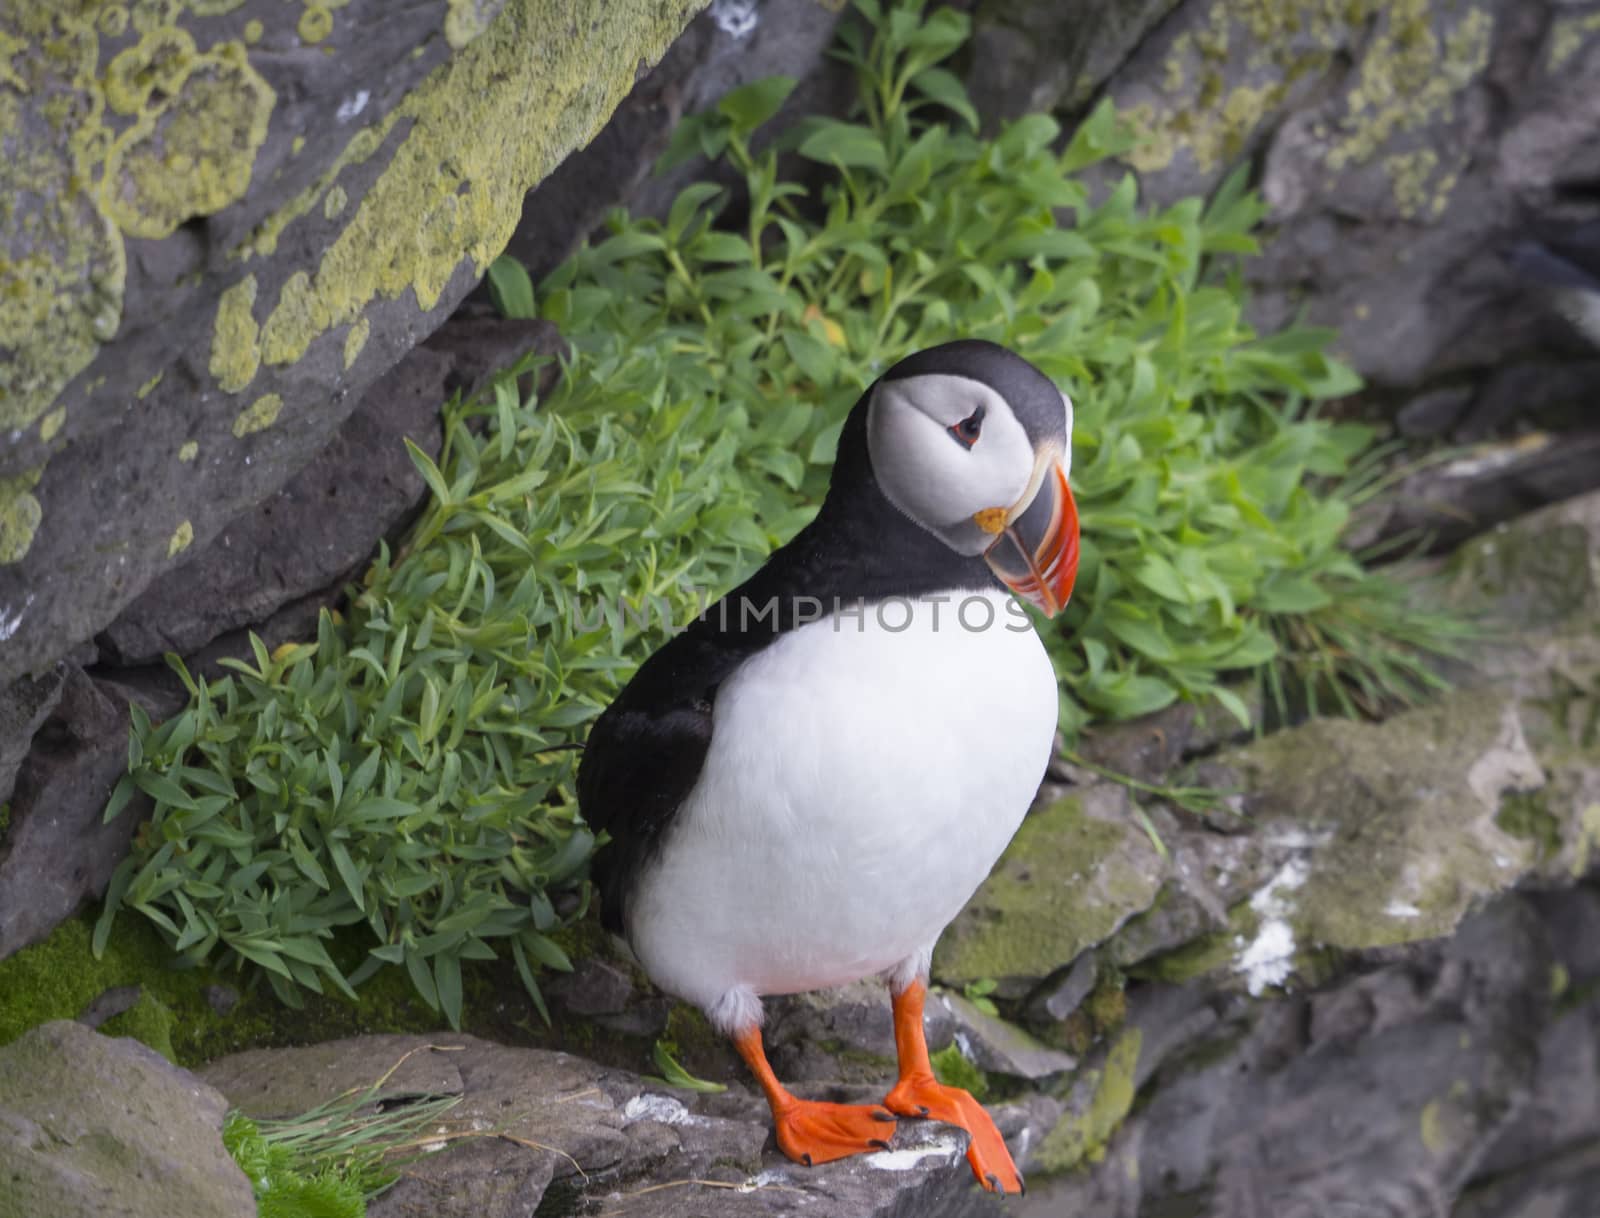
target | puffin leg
[
  {"x": 919, "y": 1094},
  {"x": 810, "y": 1131}
]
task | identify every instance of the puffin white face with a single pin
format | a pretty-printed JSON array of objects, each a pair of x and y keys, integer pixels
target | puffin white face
[{"x": 947, "y": 449}]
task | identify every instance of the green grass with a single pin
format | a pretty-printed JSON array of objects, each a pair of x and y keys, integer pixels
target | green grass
[
  {"x": 329, "y": 1162},
  {"x": 404, "y": 780}
]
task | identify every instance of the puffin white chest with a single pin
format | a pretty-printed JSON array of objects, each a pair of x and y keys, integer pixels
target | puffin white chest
[{"x": 861, "y": 781}]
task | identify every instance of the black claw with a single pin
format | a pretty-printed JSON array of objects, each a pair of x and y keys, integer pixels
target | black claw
[
  {"x": 923, "y": 1109},
  {"x": 882, "y": 1114},
  {"x": 994, "y": 1183},
  {"x": 878, "y": 1142},
  {"x": 806, "y": 1159},
  {"x": 1022, "y": 1187}
]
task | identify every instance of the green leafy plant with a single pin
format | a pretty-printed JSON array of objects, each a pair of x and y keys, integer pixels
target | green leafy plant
[
  {"x": 404, "y": 776},
  {"x": 977, "y": 993},
  {"x": 674, "y": 1075}
]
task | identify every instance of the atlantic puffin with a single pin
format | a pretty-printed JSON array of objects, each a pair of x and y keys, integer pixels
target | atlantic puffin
[{"x": 805, "y": 786}]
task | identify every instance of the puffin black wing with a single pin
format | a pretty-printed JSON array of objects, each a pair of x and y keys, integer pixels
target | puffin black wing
[{"x": 643, "y": 758}]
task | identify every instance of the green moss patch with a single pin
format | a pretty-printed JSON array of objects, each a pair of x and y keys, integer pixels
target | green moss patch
[
  {"x": 1073, "y": 874},
  {"x": 1080, "y": 1136}
]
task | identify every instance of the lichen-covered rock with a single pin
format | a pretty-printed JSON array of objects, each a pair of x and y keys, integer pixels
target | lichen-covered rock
[
  {"x": 91, "y": 1125},
  {"x": 220, "y": 224},
  {"x": 1405, "y": 148},
  {"x": 731, "y": 44}
]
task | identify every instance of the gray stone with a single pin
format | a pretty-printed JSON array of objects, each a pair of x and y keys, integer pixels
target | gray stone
[
  {"x": 24, "y": 707},
  {"x": 1059, "y": 998},
  {"x": 1488, "y": 484},
  {"x": 352, "y": 171},
  {"x": 91, "y": 1125},
  {"x": 1032, "y": 56},
  {"x": 539, "y": 1129},
  {"x": 58, "y": 850},
  {"x": 1379, "y": 1096},
  {"x": 996, "y": 1046},
  {"x": 309, "y": 536},
  {"x": 1561, "y": 1186},
  {"x": 109, "y": 1004}
]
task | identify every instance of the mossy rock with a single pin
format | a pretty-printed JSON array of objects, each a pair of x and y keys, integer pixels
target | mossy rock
[
  {"x": 97, "y": 1125},
  {"x": 1075, "y": 872}
]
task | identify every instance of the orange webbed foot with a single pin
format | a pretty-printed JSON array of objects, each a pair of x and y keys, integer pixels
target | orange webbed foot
[
  {"x": 921, "y": 1095},
  {"x": 810, "y": 1131},
  {"x": 813, "y": 1132}
]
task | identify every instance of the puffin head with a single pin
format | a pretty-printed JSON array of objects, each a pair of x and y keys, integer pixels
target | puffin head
[{"x": 974, "y": 443}]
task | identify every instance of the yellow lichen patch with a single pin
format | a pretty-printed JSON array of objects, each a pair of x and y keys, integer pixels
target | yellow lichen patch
[
  {"x": 1568, "y": 36},
  {"x": 192, "y": 156},
  {"x": 253, "y": 31},
  {"x": 113, "y": 20},
  {"x": 236, "y": 339},
  {"x": 264, "y": 238},
  {"x": 316, "y": 23},
  {"x": 482, "y": 128},
  {"x": 146, "y": 389},
  {"x": 213, "y": 8},
  {"x": 1409, "y": 173},
  {"x": 189, "y": 451},
  {"x": 20, "y": 514},
  {"x": 355, "y": 340},
  {"x": 151, "y": 15},
  {"x": 182, "y": 536},
  {"x": 1213, "y": 143},
  {"x": 1235, "y": 66},
  {"x": 260, "y": 415},
  {"x": 157, "y": 64},
  {"x": 62, "y": 269},
  {"x": 334, "y": 203},
  {"x": 1408, "y": 77},
  {"x": 467, "y": 19},
  {"x": 52, "y": 424}
]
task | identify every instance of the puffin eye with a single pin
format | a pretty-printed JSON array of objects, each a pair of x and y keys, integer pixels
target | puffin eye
[{"x": 968, "y": 429}]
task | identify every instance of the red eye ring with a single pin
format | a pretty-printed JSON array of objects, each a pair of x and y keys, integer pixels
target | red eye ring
[{"x": 969, "y": 429}]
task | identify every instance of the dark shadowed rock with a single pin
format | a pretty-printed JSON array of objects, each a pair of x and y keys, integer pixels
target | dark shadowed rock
[
  {"x": 24, "y": 706},
  {"x": 91, "y": 1125},
  {"x": 309, "y": 536},
  {"x": 295, "y": 549},
  {"x": 1032, "y": 56},
  {"x": 1486, "y": 485},
  {"x": 58, "y": 851},
  {"x": 1378, "y": 1096}
]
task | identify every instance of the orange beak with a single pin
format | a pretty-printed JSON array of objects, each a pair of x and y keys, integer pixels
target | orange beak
[{"x": 1035, "y": 550}]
